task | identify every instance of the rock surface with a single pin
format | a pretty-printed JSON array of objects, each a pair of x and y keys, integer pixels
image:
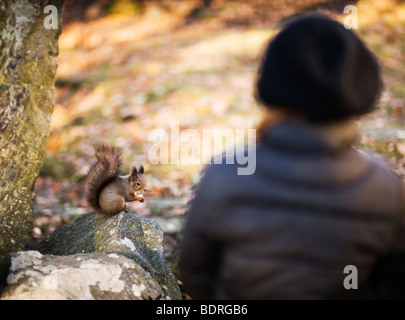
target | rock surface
[
  {"x": 80, "y": 276},
  {"x": 140, "y": 240},
  {"x": 28, "y": 61}
]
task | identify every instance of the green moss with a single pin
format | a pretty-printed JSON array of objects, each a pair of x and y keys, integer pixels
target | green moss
[{"x": 26, "y": 91}]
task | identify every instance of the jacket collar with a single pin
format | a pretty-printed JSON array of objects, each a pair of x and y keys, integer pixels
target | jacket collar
[{"x": 297, "y": 137}]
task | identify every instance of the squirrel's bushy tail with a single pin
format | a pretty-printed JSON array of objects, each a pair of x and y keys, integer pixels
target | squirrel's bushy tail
[{"x": 104, "y": 169}]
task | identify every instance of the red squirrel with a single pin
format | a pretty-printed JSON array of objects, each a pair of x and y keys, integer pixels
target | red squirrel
[{"x": 107, "y": 191}]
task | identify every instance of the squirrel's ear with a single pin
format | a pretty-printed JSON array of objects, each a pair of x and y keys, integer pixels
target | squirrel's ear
[
  {"x": 134, "y": 173},
  {"x": 141, "y": 170}
]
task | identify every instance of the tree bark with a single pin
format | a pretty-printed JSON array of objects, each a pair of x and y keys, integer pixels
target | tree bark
[{"x": 28, "y": 61}]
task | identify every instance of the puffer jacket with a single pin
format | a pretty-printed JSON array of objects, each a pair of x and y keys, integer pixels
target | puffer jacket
[{"x": 311, "y": 208}]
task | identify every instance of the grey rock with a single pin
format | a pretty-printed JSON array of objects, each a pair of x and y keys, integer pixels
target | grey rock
[
  {"x": 138, "y": 239},
  {"x": 89, "y": 276}
]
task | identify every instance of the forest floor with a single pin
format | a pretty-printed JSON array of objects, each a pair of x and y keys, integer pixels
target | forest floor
[{"x": 125, "y": 73}]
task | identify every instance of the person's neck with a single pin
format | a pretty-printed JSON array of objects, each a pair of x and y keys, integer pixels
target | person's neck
[
  {"x": 337, "y": 135},
  {"x": 271, "y": 117}
]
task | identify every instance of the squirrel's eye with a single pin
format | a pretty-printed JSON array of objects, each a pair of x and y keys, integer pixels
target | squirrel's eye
[{"x": 138, "y": 183}]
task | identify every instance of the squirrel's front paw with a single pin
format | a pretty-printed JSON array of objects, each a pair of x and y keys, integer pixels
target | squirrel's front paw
[{"x": 125, "y": 209}]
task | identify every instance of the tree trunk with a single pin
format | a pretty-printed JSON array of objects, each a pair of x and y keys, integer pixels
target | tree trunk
[{"x": 28, "y": 52}]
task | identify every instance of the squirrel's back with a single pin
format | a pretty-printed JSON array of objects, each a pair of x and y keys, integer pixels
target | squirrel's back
[{"x": 104, "y": 170}]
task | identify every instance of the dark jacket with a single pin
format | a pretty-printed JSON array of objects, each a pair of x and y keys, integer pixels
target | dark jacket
[{"x": 287, "y": 231}]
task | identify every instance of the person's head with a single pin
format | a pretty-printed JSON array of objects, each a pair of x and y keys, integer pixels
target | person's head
[{"x": 320, "y": 70}]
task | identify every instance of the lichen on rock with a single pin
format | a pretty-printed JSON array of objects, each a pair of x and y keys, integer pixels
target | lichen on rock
[
  {"x": 82, "y": 276},
  {"x": 124, "y": 234}
]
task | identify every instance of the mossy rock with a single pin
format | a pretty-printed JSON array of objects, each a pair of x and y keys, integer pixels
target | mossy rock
[
  {"x": 82, "y": 276},
  {"x": 126, "y": 234}
]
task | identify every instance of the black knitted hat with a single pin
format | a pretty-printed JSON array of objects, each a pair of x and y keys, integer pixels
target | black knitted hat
[{"x": 319, "y": 68}]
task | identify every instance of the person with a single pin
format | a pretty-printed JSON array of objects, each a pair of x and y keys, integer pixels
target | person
[{"x": 317, "y": 217}]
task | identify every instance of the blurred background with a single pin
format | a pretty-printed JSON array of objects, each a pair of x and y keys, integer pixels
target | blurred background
[{"x": 127, "y": 67}]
